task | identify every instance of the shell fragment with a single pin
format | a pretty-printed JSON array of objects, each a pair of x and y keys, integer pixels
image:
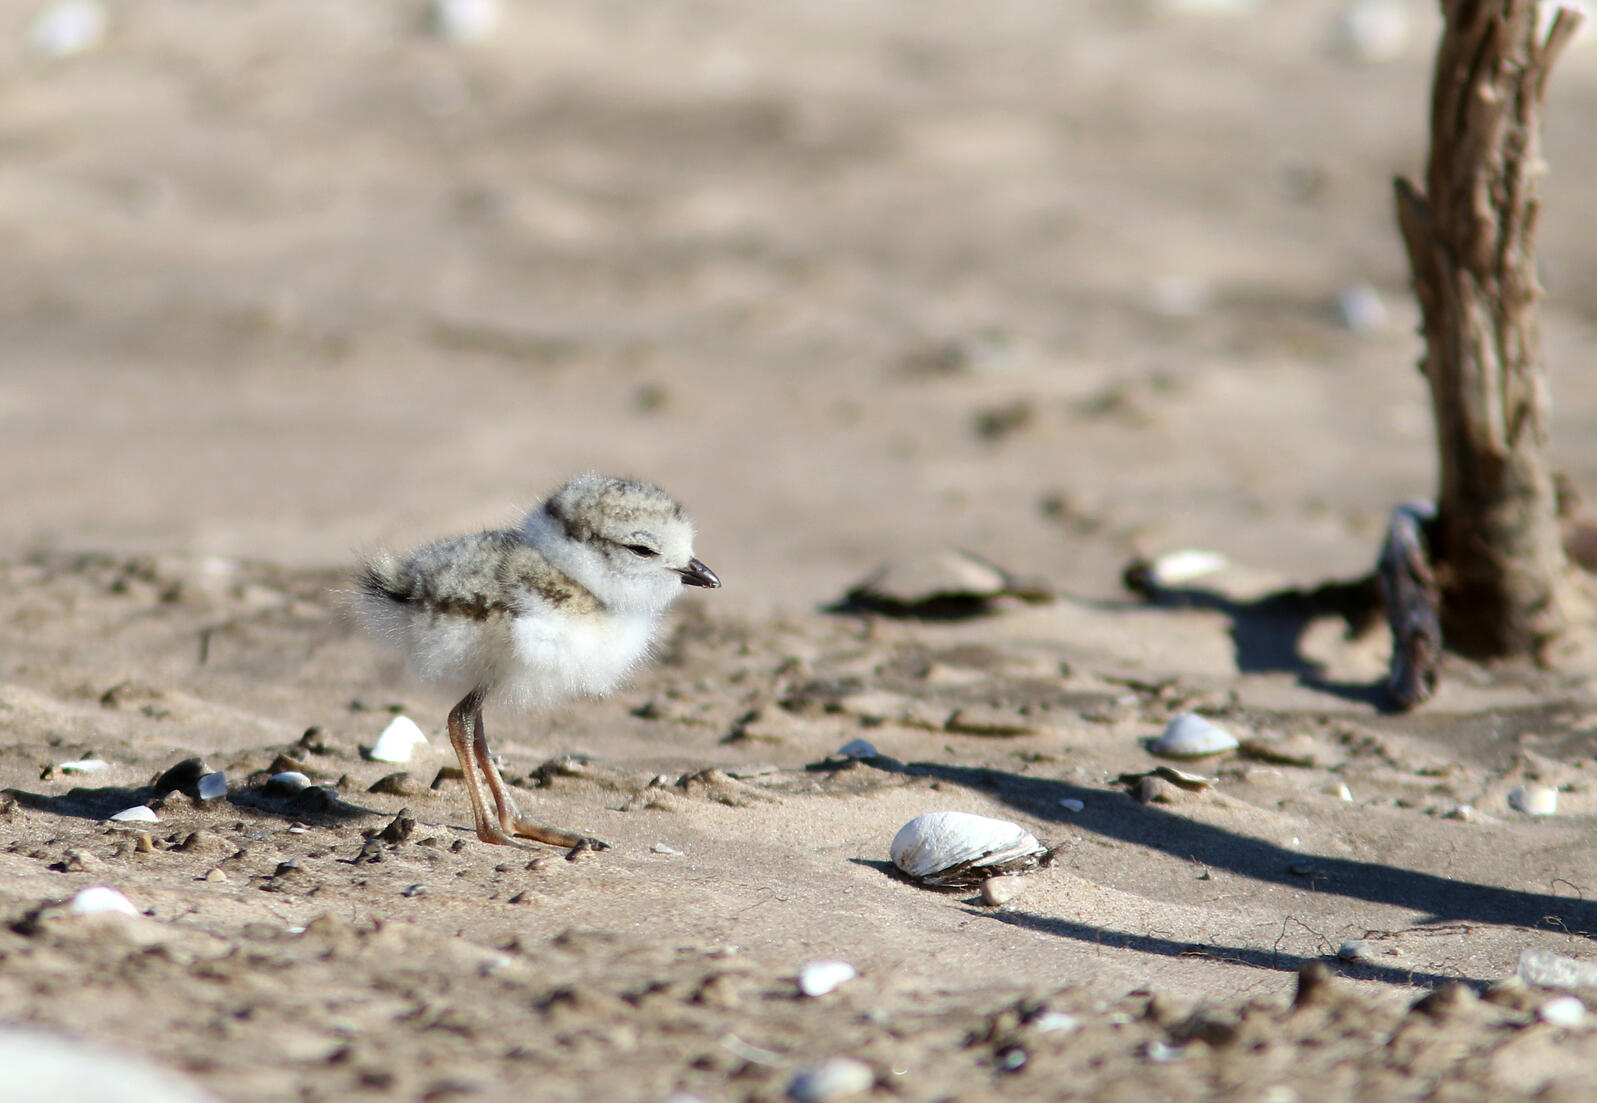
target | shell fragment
[
  {"x": 820, "y": 977},
  {"x": 398, "y": 741}
]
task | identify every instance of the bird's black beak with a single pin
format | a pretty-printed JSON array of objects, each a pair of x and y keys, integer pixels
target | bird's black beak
[{"x": 697, "y": 574}]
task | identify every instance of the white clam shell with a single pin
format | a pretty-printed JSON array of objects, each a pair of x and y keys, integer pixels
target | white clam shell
[
  {"x": 139, "y": 813},
  {"x": 1191, "y": 736},
  {"x": 1534, "y": 800},
  {"x": 398, "y": 741},
  {"x": 97, "y": 899},
  {"x": 820, "y": 977},
  {"x": 956, "y": 848}
]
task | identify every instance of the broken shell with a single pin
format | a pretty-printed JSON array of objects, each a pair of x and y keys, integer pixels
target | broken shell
[
  {"x": 213, "y": 785},
  {"x": 139, "y": 813},
  {"x": 1071, "y": 804},
  {"x": 1534, "y": 800},
  {"x": 100, "y": 898},
  {"x": 957, "y": 848},
  {"x": 1191, "y": 736},
  {"x": 398, "y": 741},
  {"x": 84, "y": 766},
  {"x": 820, "y": 977},
  {"x": 943, "y": 583}
]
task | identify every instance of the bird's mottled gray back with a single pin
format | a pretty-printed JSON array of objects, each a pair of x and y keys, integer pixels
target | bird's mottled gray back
[{"x": 476, "y": 576}]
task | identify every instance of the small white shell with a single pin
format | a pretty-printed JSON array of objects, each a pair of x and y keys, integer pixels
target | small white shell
[
  {"x": 84, "y": 766},
  {"x": 1191, "y": 736},
  {"x": 65, "y": 28},
  {"x": 1371, "y": 31},
  {"x": 858, "y": 748},
  {"x": 820, "y": 977},
  {"x": 139, "y": 813},
  {"x": 957, "y": 848},
  {"x": 1566, "y": 1011},
  {"x": 465, "y": 20},
  {"x": 289, "y": 781},
  {"x": 100, "y": 898},
  {"x": 1185, "y": 565},
  {"x": 1071, "y": 804},
  {"x": 213, "y": 785},
  {"x": 399, "y": 739},
  {"x": 1534, "y": 800}
]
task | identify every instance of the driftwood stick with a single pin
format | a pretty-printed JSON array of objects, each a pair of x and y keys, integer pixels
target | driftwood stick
[{"x": 1507, "y": 589}]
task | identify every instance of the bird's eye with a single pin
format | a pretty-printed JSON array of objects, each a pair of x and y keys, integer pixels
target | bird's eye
[{"x": 642, "y": 551}]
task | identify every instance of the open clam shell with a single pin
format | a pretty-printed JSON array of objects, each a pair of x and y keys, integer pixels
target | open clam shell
[{"x": 958, "y": 849}]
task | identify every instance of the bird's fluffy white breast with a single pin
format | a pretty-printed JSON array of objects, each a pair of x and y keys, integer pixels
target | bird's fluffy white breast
[{"x": 555, "y": 658}]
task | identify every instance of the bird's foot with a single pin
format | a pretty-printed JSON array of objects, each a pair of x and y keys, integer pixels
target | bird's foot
[{"x": 532, "y": 829}]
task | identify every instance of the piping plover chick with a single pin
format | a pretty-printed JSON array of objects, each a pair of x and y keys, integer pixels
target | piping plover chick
[{"x": 563, "y": 606}]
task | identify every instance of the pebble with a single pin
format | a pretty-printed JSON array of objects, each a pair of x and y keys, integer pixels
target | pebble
[
  {"x": 66, "y": 28},
  {"x": 213, "y": 786},
  {"x": 1189, "y": 735},
  {"x": 661, "y": 848},
  {"x": 998, "y": 891},
  {"x": 1565, "y": 1011},
  {"x": 837, "y": 1078},
  {"x": 84, "y": 766},
  {"x": 139, "y": 813},
  {"x": 1534, "y": 800},
  {"x": 1338, "y": 789},
  {"x": 1371, "y": 31},
  {"x": 1354, "y": 949},
  {"x": 398, "y": 741},
  {"x": 97, "y": 899},
  {"x": 820, "y": 977},
  {"x": 1071, "y": 804}
]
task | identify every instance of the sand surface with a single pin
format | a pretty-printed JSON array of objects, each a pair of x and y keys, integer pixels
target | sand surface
[{"x": 284, "y": 282}]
